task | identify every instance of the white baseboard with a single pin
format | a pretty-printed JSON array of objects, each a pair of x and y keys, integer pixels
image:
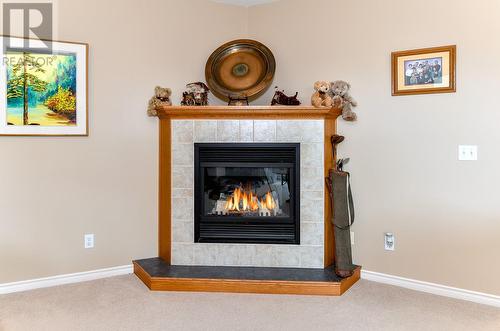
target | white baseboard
[
  {"x": 31, "y": 284},
  {"x": 447, "y": 291},
  {"x": 417, "y": 285}
]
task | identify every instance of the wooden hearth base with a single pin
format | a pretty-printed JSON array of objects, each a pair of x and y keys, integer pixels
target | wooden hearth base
[{"x": 160, "y": 276}]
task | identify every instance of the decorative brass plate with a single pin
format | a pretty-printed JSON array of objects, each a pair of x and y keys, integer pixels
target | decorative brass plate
[{"x": 240, "y": 68}]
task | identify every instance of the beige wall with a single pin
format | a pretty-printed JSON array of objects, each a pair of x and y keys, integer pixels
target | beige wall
[
  {"x": 54, "y": 190},
  {"x": 445, "y": 214}
]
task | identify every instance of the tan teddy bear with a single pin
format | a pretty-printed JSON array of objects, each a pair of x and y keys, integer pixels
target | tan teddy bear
[
  {"x": 340, "y": 92},
  {"x": 321, "y": 98},
  {"x": 161, "y": 98}
]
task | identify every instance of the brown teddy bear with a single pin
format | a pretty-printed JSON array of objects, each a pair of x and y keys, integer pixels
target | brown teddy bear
[
  {"x": 340, "y": 93},
  {"x": 161, "y": 98},
  {"x": 321, "y": 98}
]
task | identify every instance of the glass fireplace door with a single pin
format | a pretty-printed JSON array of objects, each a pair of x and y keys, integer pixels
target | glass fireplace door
[{"x": 247, "y": 193}]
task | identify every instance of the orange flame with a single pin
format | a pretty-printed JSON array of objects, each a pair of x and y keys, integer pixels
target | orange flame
[
  {"x": 268, "y": 201},
  {"x": 245, "y": 200}
]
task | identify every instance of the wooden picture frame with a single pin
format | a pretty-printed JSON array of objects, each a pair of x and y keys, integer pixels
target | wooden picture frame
[
  {"x": 423, "y": 71},
  {"x": 55, "y": 102}
]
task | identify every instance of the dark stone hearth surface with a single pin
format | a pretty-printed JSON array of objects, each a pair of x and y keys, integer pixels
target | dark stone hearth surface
[{"x": 156, "y": 267}]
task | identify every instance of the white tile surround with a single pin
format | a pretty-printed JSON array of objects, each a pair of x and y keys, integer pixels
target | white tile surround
[{"x": 310, "y": 135}]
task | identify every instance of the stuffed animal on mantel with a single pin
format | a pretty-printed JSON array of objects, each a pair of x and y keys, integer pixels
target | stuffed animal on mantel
[
  {"x": 321, "y": 96},
  {"x": 161, "y": 98},
  {"x": 196, "y": 94},
  {"x": 340, "y": 93}
]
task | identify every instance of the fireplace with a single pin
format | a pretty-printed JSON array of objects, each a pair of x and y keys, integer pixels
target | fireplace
[
  {"x": 226, "y": 254},
  {"x": 247, "y": 193}
]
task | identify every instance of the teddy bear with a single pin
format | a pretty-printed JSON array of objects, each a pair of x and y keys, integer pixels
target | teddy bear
[
  {"x": 340, "y": 95},
  {"x": 321, "y": 96},
  {"x": 161, "y": 98}
]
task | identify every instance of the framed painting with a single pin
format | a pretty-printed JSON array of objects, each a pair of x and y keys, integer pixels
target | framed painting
[
  {"x": 426, "y": 70},
  {"x": 43, "y": 91}
]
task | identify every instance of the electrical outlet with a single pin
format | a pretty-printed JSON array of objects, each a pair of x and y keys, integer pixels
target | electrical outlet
[
  {"x": 352, "y": 238},
  {"x": 467, "y": 152},
  {"x": 89, "y": 240},
  {"x": 389, "y": 241}
]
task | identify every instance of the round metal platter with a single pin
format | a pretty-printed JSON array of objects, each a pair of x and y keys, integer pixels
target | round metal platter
[{"x": 239, "y": 69}]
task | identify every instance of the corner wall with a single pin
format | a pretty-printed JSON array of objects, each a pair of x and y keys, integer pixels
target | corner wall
[
  {"x": 445, "y": 214},
  {"x": 406, "y": 178},
  {"x": 53, "y": 190}
]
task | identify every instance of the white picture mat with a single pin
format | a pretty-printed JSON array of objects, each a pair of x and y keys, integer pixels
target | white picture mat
[{"x": 81, "y": 94}]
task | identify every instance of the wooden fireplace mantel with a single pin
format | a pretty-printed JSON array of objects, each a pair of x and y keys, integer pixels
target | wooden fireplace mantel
[
  {"x": 248, "y": 112},
  {"x": 166, "y": 115}
]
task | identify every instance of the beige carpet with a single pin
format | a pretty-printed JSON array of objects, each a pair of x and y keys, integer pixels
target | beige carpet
[{"x": 124, "y": 303}]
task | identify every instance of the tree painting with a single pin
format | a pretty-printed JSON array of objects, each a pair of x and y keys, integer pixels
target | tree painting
[
  {"x": 41, "y": 89},
  {"x": 23, "y": 78}
]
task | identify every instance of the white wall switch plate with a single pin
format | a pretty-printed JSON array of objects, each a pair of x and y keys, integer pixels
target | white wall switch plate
[
  {"x": 89, "y": 240},
  {"x": 389, "y": 241},
  {"x": 352, "y": 238},
  {"x": 467, "y": 152}
]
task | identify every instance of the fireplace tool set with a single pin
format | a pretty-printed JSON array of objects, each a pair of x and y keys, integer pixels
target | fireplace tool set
[{"x": 339, "y": 187}]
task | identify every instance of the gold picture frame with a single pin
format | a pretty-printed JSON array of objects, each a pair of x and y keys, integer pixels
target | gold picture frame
[{"x": 423, "y": 71}]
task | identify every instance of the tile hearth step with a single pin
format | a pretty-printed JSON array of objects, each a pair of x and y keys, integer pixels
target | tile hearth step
[{"x": 158, "y": 275}]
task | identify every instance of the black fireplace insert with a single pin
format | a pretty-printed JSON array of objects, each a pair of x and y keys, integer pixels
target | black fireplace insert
[{"x": 247, "y": 193}]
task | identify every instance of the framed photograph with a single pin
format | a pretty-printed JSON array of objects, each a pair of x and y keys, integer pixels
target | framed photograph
[
  {"x": 43, "y": 90},
  {"x": 421, "y": 71}
]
